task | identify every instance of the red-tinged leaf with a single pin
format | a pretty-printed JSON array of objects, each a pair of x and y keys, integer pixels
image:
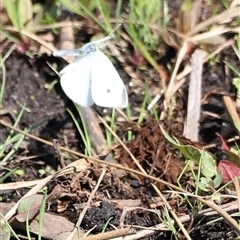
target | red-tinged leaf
[
  {"x": 233, "y": 157},
  {"x": 224, "y": 145},
  {"x": 23, "y": 46},
  {"x": 137, "y": 58},
  {"x": 229, "y": 170}
]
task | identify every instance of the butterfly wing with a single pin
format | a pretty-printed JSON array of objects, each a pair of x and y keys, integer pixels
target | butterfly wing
[
  {"x": 107, "y": 87},
  {"x": 75, "y": 81}
]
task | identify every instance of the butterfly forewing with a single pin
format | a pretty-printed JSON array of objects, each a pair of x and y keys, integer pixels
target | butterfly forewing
[{"x": 76, "y": 81}]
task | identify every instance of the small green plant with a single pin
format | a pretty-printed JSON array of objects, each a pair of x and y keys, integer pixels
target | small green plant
[
  {"x": 19, "y": 12},
  {"x": 142, "y": 17},
  {"x": 6, "y": 230},
  {"x": 207, "y": 164},
  {"x": 86, "y": 8},
  {"x": 168, "y": 222},
  {"x": 15, "y": 139},
  {"x": 18, "y": 138},
  {"x": 48, "y": 170},
  {"x": 26, "y": 17}
]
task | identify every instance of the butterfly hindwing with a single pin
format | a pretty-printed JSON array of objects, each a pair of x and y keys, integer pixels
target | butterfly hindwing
[{"x": 107, "y": 87}]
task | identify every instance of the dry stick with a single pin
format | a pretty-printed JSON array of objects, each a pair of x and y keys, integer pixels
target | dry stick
[
  {"x": 225, "y": 16},
  {"x": 234, "y": 139},
  {"x": 168, "y": 92},
  {"x": 237, "y": 188},
  {"x": 58, "y": 152},
  {"x": 180, "y": 57},
  {"x": 180, "y": 78},
  {"x": 234, "y": 3},
  {"x": 212, "y": 34},
  {"x": 194, "y": 96},
  {"x": 96, "y": 136},
  {"x": 231, "y": 109},
  {"x": 209, "y": 203},
  {"x": 32, "y": 36},
  {"x": 109, "y": 235}
]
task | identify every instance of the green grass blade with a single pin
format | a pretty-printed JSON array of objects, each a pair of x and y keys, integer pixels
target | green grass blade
[
  {"x": 83, "y": 133},
  {"x": 80, "y": 9},
  {"x": 130, "y": 134},
  {"x": 9, "y": 138},
  {"x": 41, "y": 214},
  {"x": 3, "y": 80},
  {"x": 2, "y": 65},
  {"x": 235, "y": 70},
  {"x": 25, "y": 11},
  {"x": 112, "y": 126},
  {"x": 144, "y": 105},
  {"x": 118, "y": 11},
  {"x": 8, "y": 174},
  {"x": 132, "y": 33},
  {"x": 13, "y": 14},
  {"x": 18, "y": 138},
  {"x": 105, "y": 13},
  {"x": 13, "y": 150},
  {"x": 85, "y": 130}
]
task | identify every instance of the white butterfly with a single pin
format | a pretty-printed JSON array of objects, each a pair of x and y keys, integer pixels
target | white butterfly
[{"x": 91, "y": 77}]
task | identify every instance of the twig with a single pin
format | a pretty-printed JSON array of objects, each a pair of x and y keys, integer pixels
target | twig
[
  {"x": 109, "y": 235},
  {"x": 58, "y": 152},
  {"x": 231, "y": 109}
]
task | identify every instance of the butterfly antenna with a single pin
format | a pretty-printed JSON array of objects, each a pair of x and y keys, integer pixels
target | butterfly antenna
[{"x": 111, "y": 35}]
